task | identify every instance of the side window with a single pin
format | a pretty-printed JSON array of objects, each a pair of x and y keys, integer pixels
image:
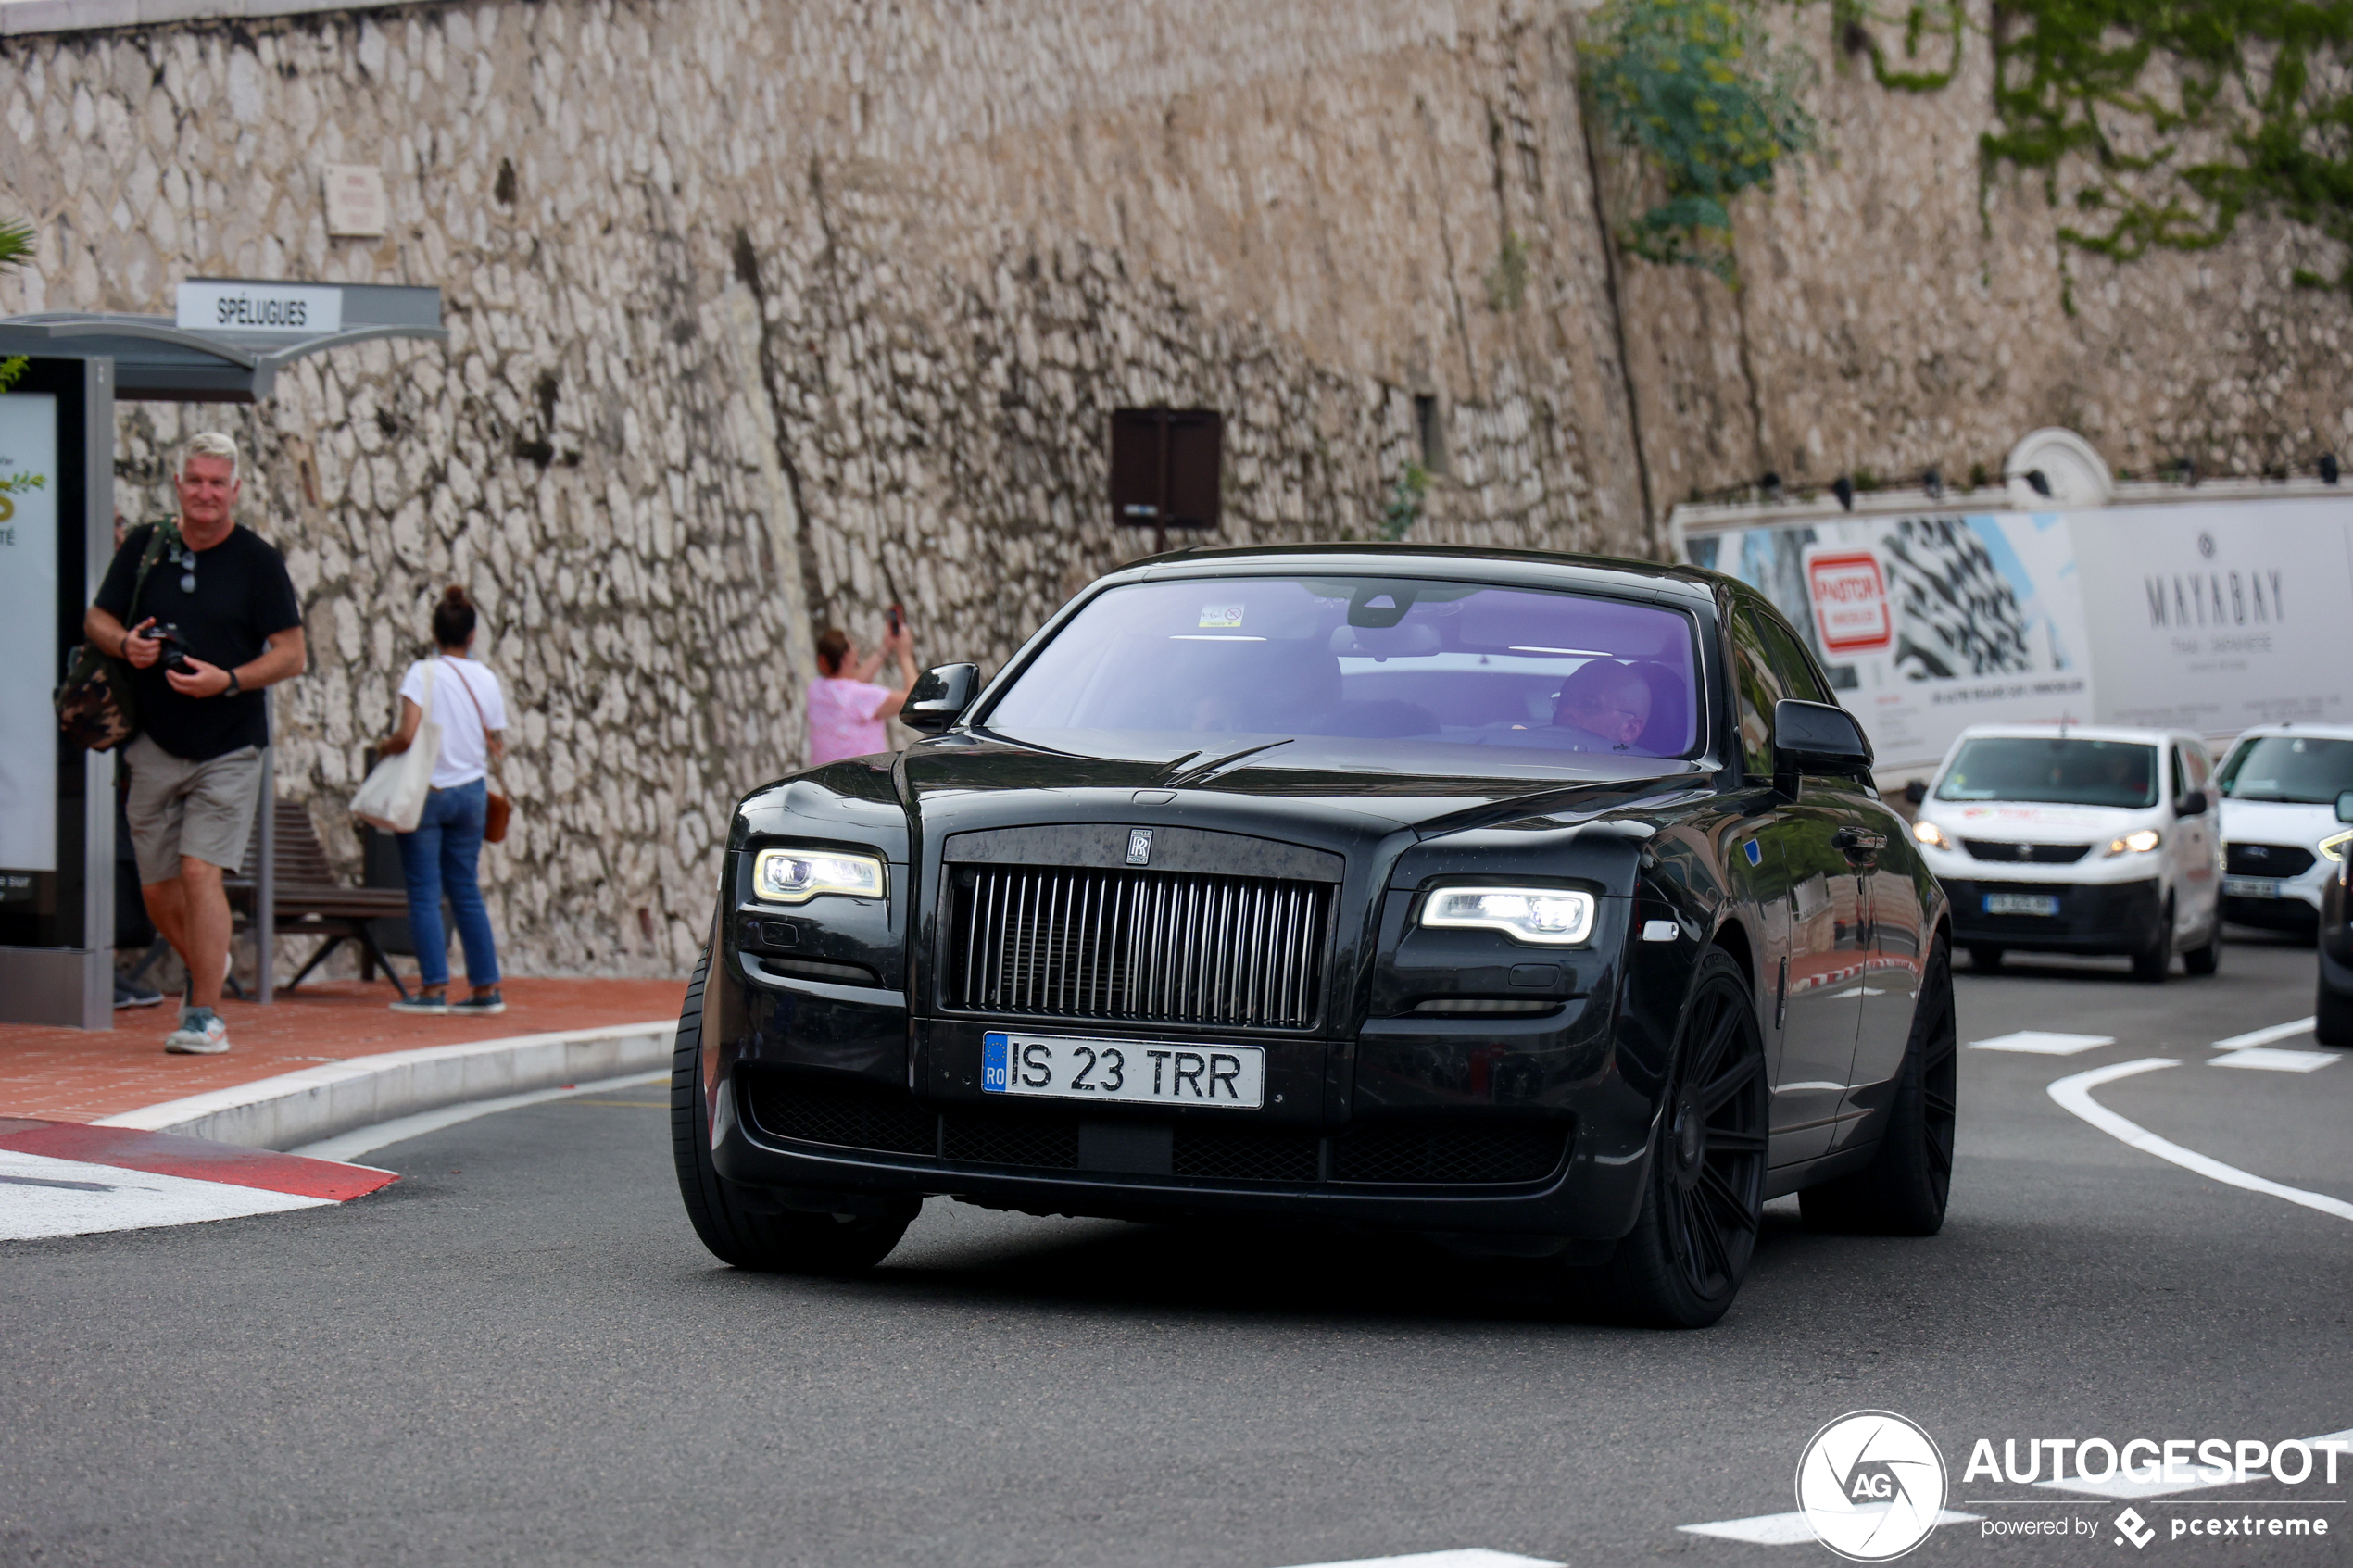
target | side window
[
  {"x": 1790, "y": 662},
  {"x": 2199, "y": 767},
  {"x": 1760, "y": 688}
]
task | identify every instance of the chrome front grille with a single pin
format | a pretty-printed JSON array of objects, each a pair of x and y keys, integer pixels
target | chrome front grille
[{"x": 1143, "y": 947}]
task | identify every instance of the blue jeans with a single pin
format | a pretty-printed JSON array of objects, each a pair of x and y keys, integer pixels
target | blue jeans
[{"x": 440, "y": 857}]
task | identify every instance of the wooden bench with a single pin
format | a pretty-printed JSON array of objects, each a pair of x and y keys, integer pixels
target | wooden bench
[{"x": 310, "y": 902}]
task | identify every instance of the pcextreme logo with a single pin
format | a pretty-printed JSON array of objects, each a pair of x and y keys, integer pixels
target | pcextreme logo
[{"x": 1871, "y": 1485}]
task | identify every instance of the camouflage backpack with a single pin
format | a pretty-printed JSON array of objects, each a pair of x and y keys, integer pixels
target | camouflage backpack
[{"x": 96, "y": 707}]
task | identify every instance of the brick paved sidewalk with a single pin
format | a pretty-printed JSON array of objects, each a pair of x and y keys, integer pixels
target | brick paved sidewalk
[{"x": 77, "y": 1075}]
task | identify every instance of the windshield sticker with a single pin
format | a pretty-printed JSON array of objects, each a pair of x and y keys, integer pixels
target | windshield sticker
[{"x": 1227, "y": 616}]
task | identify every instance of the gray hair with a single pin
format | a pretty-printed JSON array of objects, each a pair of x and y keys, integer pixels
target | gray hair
[{"x": 208, "y": 443}]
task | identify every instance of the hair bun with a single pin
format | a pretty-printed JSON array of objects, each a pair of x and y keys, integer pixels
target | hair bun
[{"x": 455, "y": 594}]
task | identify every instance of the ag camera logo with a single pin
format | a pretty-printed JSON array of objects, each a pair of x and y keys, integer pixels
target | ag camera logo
[{"x": 1871, "y": 1485}]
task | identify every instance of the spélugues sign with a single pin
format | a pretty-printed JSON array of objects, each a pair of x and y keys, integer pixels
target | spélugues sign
[{"x": 212, "y": 304}]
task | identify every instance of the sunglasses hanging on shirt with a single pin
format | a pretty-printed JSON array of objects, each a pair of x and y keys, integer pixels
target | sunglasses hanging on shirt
[{"x": 185, "y": 558}]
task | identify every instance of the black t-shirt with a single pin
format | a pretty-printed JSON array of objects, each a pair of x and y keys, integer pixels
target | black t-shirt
[{"x": 243, "y": 597}]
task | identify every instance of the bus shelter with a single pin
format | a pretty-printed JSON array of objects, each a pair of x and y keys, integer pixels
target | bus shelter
[{"x": 226, "y": 343}]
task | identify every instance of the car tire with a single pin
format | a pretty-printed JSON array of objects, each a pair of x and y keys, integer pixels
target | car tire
[
  {"x": 1984, "y": 958},
  {"x": 2154, "y": 962},
  {"x": 2209, "y": 958},
  {"x": 725, "y": 1215},
  {"x": 1703, "y": 1193},
  {"x": 2332, "y": 1016},
  {"x": 1903, "y": 1191}
]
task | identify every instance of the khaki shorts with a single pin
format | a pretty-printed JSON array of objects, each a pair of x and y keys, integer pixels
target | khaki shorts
[{"x": 177, "y": 807}]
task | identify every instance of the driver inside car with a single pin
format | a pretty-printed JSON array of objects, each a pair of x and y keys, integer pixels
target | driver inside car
[{"x": 1603, "y": 707}]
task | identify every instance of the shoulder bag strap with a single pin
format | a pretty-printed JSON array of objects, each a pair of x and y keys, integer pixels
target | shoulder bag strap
[
  {"x": 164, "y": 533},
  {"x": 479, "y": 715}
]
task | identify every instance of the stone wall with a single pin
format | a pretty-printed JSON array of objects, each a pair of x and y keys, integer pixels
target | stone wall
[{"x": 766, "y": 315}]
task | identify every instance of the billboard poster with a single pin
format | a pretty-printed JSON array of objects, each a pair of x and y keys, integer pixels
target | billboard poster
[
  {"x": 28, "y": 639},
  {"x": 2215, "y": 616},
  {"x": 1926, "y": 623}
]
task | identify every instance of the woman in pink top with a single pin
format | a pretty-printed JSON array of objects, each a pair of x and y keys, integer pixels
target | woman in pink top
[{"x": 845, "y": 708}]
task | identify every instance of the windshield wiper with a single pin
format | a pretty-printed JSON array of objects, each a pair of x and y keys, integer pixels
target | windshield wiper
[{"x": 1193, "y": 775}]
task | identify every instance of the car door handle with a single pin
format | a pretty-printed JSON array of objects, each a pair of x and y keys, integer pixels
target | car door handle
[{"x": 1859, "y": 843}]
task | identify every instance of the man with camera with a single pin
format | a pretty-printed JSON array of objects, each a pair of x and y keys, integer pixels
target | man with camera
[{"x": 215, "y": 621}]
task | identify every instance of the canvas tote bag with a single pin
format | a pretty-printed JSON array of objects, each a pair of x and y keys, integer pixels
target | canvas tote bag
[{"x": 393, "y": 797}]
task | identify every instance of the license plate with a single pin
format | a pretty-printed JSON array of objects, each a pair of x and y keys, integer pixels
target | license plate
[
  {"x": 2251, "y": 887},
  {"x": 1125, "y": 1072},
  {"x": 2021, "y": 903}
]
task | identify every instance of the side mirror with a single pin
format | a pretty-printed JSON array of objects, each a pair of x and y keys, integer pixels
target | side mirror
[
  {"x": 2344, "y": 807},
  {"x": 939, "y": 697},
  {"x": 1916, "y": 794},
  {"x": 2191, "y": 805},
  {"x": 1817, "y": 737}
]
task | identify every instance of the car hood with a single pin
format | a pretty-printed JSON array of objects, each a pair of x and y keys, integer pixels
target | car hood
[
  {"x": 2278, "y": 821},
  {"x": 965, "y": 782},
  {"x": 2023, "y": 822}
]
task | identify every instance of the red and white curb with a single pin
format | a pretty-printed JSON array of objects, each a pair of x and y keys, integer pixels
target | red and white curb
[{"x": 67, "y": 1178}]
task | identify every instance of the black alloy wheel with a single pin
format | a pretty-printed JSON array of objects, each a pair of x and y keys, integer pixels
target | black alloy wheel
[
  {"x": 1903, "y": 1190},
  {"x": 2206, "y": 960},
  {"x": 1704, "y": 1203},
  {"x": 737, "y": 1228}
]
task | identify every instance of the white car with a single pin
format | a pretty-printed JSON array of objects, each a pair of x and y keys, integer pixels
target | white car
[
  {"x": 2281, "y": 839},
  {"x": 2075, "y": 839}
]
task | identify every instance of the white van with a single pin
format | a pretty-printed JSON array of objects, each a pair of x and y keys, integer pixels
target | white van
[
  {"x": 2281, "y": 839},
  {"x": 2075, "y": 839}
]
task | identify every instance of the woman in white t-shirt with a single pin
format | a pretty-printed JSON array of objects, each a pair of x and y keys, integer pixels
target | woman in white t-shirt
[{"x": 441, "y": 856}]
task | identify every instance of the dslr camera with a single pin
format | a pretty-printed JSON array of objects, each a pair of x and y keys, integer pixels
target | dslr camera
[{"x": 171, "y": 647}]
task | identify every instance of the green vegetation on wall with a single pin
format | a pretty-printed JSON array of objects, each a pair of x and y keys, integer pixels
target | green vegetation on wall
[
  {"x": 1699, "y": 88},
  {"x": 2159, "y": 123},
  {"x": 15, "y": 243}
]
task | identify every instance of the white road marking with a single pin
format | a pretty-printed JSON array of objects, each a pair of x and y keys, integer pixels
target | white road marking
[
  {"x": 2074, "y": 1094},
  {"x": 346, "y": 1145},
  {"x": 2264, "y": 1059},
  {"x": 2040, "y": 1042},
  {"x": 2119, "y": 1487},
  {"x": 1787, "y": 1529},
  {"x": 2264, "y": 1036},
  {"x": 41, "y": 1196},
  {"x": 1462, "y": 1557}
]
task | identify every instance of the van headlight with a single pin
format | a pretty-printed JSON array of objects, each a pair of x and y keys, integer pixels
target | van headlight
[
  {"x": 1549, "y": 917},
  {"x": 2333, "y": 847},
  {"x": 1928, "y": 833},
  {"x": 795, "y": 876},
  {"x": 2139, "y": 842}
]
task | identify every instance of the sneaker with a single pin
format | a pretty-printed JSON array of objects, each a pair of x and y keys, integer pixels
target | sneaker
[
  {"x": 201, "y": 1033},
  {"x": 483, "y": 1006},
  {"x": 128, "y": 994},
  {"x": 431, "y": 1003}
]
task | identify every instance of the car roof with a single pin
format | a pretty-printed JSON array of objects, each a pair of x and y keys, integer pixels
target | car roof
[
  {"x": 2298, "y": 727},
  {"x": 2071, "y": 731},
  {"x": 1688, "y": 584}
]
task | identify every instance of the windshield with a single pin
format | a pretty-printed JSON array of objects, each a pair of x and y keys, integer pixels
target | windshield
[
  {"x": 1388, "y": 673},
  {"x": 2068, "y": 772},
  {"x": 2303, "y": 769}
]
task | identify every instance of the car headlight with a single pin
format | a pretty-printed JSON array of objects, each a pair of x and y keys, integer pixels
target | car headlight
[
  {"x": 2333, "y": 847},
  {"x": 2139, "y": 842},
  {"x": 795, "y": 876},
  {"x": 1549, "y": 917},
  {"x": 1928, "y": 833}
]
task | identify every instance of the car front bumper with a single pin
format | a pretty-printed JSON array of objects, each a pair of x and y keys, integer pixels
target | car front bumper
[
  {"x": 1488, "y": 1124},
  {"x": 2115, "y": 917}
]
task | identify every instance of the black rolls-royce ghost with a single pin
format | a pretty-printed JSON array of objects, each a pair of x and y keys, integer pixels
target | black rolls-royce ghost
[{"x": 1537, "y": 902}]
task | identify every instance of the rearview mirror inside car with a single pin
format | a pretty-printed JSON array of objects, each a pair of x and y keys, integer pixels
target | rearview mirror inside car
[
  {"x": 1817, "y": 737},
  {"x": 939, "y": 697}
]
